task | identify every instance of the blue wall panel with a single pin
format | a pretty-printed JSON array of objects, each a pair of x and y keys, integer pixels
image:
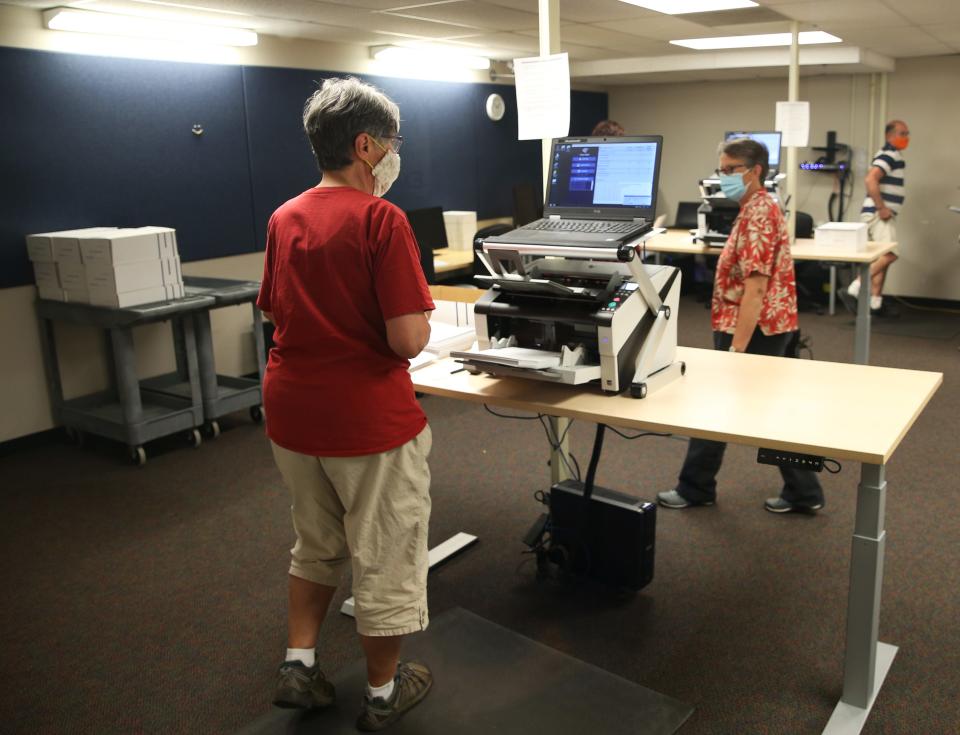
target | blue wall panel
[
  {"x": 103, "y": 141},
  {"x": 100, "y": 141}
]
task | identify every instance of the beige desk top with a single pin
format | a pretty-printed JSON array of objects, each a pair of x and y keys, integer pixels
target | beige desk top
[
  {"x": 446, "y": 260},
  {"x": 835, "y": 410},
  {"x": 680, "y": 241}
]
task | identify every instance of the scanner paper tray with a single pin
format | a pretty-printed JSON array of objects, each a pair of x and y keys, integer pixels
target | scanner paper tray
[{"x": 526, "y": 363}]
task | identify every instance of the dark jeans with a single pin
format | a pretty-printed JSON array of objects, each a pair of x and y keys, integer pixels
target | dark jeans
[{"x": 698, "y": 476}]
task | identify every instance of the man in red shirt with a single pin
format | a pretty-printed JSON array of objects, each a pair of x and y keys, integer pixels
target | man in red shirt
[
  {"x": 754, "y": 310},
  {"x": 342, "y": 283}
]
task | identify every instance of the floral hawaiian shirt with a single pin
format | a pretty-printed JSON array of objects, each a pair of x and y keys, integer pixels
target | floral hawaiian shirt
[{"x": 758, "y": 243}]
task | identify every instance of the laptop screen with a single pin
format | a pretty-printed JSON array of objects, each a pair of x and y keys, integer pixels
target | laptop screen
[
  {"x": 770, "y": 139},
  {"x": 604, "y": 176}
]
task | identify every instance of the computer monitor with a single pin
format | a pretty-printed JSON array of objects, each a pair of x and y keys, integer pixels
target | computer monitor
[
  {"x": 769, "y": 138},
  {"x": 427, "y": 225},
  {"x": 612, "y": 178}
]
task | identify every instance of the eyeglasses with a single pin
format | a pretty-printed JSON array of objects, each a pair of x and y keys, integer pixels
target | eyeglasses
[
  {"x": 727, "y": 170},
  {"x": 395, "y": 142}
]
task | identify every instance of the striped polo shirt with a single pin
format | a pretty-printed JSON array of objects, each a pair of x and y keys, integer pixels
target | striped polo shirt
[{"x": 890, "y": 160}]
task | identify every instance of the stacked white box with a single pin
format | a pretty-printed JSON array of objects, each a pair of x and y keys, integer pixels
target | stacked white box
[
  {"x": 846, "y": 235},
  {"x": 460, "y": 227},
  {"x": 107, "y": 266}
]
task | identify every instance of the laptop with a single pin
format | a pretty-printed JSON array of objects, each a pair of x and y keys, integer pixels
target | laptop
[
  {"x": 768, "y": 138},
  {"x": 602, "y": 192}
]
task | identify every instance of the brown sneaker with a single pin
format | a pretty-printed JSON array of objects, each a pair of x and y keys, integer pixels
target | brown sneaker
[
  {"x": 302, "y": 686},
  {"x": 410, "y": 686}
]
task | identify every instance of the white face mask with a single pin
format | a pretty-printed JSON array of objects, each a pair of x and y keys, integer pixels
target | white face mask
[{"x": 385, "y": 172}]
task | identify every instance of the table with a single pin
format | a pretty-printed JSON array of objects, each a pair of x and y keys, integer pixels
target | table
[
  {"x": 718, "y": 398},
  {"x": 681, "y": 242},
  {"x": 448, "y": 260}
]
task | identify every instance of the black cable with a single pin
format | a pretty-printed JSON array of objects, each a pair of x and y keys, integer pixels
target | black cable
[
  {"x": 640, "y": 435},
  {"x": 507, "y": 416},
  {"x": 827, "y": 462},
  {"x": 594, "y": 461},
  {"x": 556, "y": 444}
]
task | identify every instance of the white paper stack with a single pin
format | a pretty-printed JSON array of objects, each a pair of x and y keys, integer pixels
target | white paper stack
[
  {"x": 846, "y": 235},
  {"x": 460, "y": 227},
  {"x": 446, "y": 337},
  {"x": 107, "y": 266}
]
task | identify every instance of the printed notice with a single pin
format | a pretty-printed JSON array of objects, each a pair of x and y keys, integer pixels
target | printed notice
[
  {"x": 543, "y": 96},
  {"x": 793, "y": 121}
]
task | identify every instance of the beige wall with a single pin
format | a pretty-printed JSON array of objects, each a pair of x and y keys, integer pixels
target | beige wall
[{"x": 693, "y": 117}]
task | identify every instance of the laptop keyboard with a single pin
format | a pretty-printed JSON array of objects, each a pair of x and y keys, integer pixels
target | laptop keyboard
[{"x": 584, "y": 225}]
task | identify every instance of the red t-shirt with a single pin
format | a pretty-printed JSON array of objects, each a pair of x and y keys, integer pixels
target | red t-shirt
[
  {"x": 339, "y": 263},
  {"x": 758, "y": 243}
]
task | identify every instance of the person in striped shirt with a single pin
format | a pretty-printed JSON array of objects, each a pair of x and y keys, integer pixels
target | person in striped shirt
[{"x": 885, "y": 194}]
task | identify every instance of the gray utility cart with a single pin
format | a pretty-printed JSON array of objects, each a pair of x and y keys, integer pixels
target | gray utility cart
[
  {"x": 130, "y": 411},
  {"x": 221, "y": 394}
]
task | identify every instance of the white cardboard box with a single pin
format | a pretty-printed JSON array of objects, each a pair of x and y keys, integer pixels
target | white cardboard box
[
  {"x": 40, "y": 247},
  {"x": 171, "y": 271},
  {"x": 167, "y": 239},
  {"x": 124, "y": 277},
  {"x": 107, "y": 297},
  {"x": 73, "y": 275},
  {"x": 51, "y": 293},
  {"x": 461, "y": 226},
  {"x": 127, "y": 245},
  {"x": 847, "y": 235},
  {"x": 174, "y": 291},
  {"x": 77, "y": 295},
  {"x": 45, "y": 274}
]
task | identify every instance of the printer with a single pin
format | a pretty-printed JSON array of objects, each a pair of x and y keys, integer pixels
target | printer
[{"x": 576, "y": 315}]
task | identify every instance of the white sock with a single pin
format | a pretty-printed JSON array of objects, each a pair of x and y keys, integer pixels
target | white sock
[
  {"x": 383, "y": 692},
  {"x": 876, "y": 302},
  {"x": 306, "y": 656},
  {"x": 854, "y": 288}
]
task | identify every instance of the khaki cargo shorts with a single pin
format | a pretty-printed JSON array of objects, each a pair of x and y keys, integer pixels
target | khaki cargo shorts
[
  {"x": 880, "y": 230},
  {"x": 369, "y": 513}
]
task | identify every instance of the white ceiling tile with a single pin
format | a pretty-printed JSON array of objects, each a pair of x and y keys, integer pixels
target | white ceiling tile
[
  {"x": 948, "y": 33},
  {"x": 928, "y": 12},
  {"x": 869, "y": 12},
  {"x": 592, "y": 11},
  {"x": 475, "y": 14},
  {"x": 661, "y": 27}
]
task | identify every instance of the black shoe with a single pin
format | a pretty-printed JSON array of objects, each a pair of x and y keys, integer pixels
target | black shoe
[
  {"x": 302, "y": 686},
  {"x": 886, "y": 311},
  {"x": 410, "y": 685}
]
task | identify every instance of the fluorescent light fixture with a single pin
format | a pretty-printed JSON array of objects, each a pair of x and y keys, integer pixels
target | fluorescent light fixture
[
  {"x": 428, "y": 57},
  {"x": 112, "y": 24},
  {"x": 807, "y": 38},
  {"x": 680, "y": 7}
]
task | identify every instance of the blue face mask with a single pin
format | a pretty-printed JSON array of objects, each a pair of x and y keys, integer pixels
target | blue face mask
[{"x": 732, "y": 186}]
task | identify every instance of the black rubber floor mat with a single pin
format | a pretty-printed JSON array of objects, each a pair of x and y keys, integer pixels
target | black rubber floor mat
[{"x": 489, "y": 680}]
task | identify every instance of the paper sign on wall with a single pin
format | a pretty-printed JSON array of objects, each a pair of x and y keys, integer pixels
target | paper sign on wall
[
  {"x": 543, "y": 96},
  {"x": 793, "y": 120}
]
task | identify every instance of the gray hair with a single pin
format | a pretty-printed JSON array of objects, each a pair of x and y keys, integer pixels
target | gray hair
[
  {"x": 750, "y": 152},
  {"x": 338, "y": 112}
]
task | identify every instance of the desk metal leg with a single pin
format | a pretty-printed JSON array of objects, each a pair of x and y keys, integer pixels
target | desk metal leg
[
  {"x": 861, "y": 342},
  {"x": 866, "y": 661},
  {"x": 833, "y": 290},
  {"x": 258, "y": 342}
]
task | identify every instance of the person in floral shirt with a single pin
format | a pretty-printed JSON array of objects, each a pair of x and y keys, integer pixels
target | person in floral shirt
[{"x": 754, "y": 310}]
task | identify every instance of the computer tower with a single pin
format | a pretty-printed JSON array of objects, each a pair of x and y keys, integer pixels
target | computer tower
[{"x": 609, "y": 537}]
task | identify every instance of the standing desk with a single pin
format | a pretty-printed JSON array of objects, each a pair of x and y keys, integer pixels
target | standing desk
[
  {"x": 448, "y": 260},
  {"x": 743, "y": 399},
  {"x": 682, "y": 243}
]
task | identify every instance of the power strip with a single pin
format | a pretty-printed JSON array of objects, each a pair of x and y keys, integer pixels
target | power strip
[{"x": 782, "y": 458}]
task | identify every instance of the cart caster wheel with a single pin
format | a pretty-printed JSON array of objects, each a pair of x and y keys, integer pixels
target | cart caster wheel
[
  {"x": 194, "y": 438},
  {"x": 212, "y": 429},
  {"x": 683, "y": 368},
  {"x": 138, "y": 455},
  {"x": 256, "y": 413}
]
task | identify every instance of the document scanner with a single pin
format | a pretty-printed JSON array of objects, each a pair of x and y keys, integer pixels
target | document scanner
[{"x": 576, "y": 315}]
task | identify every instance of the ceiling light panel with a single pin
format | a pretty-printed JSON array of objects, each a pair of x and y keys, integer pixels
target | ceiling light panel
[
  {"x": 132, "y": 26},
  {"x": 763, "y": 40}
]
